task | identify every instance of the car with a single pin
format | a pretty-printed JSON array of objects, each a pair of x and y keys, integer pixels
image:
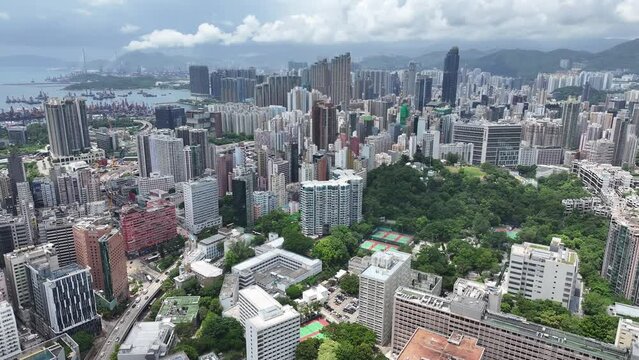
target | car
[
  {"x": 109, "y": 342},
  {"x": 117, "y": 339},
  {"x": 117, "y": 328},
  {"x": 146, "y": 297},
  {"x": 157, "y": 280},
  {"x": 102, "y": 354}
]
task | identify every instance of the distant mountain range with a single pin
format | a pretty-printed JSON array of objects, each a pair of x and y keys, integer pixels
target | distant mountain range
[
  {"x": 518, "y": 62},
  {"x": 507, "y": 62}
]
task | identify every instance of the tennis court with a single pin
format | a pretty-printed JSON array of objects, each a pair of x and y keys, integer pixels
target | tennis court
[
  {"x": 312, "y": 329},
  {"x": 375, "y": 246},
  {"x": 392, "y": 237}
]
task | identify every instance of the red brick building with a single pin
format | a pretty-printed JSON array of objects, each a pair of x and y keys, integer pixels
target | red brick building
[
  {"x": 96, "y": 242},
  {"x": 144, "y": 228}
]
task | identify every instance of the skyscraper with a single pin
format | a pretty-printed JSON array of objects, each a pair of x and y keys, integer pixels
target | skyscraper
[
  {"x": 377, "y": 285},
  {"x": 16, "y": 174},
  {"x": 9, "y": 341},
  {"x": 59, "y": 232},
  {"x": 201, "y": 208},
  {"x": 327, "y": 204},
  {"x": 449, "y": 84},
  {"x": 424, "y": 91},
  {"x": 272, "y": 330},
  {"x": 242, "y": 187},
  {"x": 67, "y": 126},
  {"x": 169, "y": 116},
  {"x": 144, "y": 228},
  {"x": 63, "y": 300},
  {"x": 144, "y": 154},
  {"x": 324, "y": 124},
  {"x": 570, "y": 124},
  {"x": 621, "y": 257},
  {"x": 320, "y": 76},
  {"x": 15, "y": 272},
  {"x": 410, "y": 76},
  {"x": 340, "y": 85},
  {"x": 199, "y": 80},
  {"x": 101, "y": 248},
  {"x": 167, "y": 156}
]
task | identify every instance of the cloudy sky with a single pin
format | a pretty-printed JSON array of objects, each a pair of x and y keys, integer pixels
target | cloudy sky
[{"x": 108, "y": 27}]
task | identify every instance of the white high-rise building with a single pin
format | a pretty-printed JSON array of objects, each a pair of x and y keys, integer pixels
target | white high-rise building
[
  {"x": 271, "y": 330},
  {"x": 201, "y": 208},
  {"x": 377, "y": 285},
  {"x": 9, "y": 341},
  {"x": 540, "y": 272},
  {"x": 15, "y": 272},
  {"x": 167, "y": 156},
  {"x": 59, "y": 232},
  {"x": 155, "y": 181},
  {"x": 327, "y": 204}
]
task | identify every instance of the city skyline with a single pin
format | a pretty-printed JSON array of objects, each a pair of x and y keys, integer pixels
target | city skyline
[{"x": 111, "y": 27}]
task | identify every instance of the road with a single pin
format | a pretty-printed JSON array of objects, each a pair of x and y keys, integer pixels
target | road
[
  {"x": 130, "y": 316},
  {"x": 146, "y": 125}
]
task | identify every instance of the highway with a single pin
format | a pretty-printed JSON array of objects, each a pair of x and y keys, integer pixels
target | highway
[{"x": 130, "y": 316}]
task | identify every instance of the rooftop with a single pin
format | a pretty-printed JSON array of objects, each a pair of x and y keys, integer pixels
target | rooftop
[
  {"x": 179, "y": 309},
  {"x": 518, "y": 325},
  {"x": 384, "y": 264},
  {"x": 145, "y": 337},
  {"x": 206, "y": 269},
  {"x": 212, "y": 239},
  {"x": 425, "y": 344},
  {"x": 254, "y": 261}
]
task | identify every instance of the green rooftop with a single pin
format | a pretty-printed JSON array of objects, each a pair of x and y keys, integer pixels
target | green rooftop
[{"x": 179, "y": 309}]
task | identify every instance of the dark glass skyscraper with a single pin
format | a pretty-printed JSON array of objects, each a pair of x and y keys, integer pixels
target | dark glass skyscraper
[
  {"x": 199, "y": 80},
  {"x": 324, "y": 124},
  {"x": 169, "y": 116},
  {"x": 424, "y": 92},
  {"x": 449, "y": 84}
]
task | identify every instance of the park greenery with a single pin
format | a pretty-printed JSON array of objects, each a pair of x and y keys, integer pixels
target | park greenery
[
  {"x": 230, "y": 138},
  {"x": 37, "y": 138},
  {"x": 456, "y": 213},
  {"x": 119, "y": 122},
  {"x": 563, "y": 93},
  {"x": 344, "y": 341}
]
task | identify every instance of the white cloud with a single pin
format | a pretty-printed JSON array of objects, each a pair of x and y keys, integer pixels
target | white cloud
[
  {"x": 628, "y": 10},
  {"x": 129, "y": 29},
  {"x": 103, "y": 2},
  {"x": 83, "y": 12},
  {"x": 4, "y": 16},
  {"x": 340, "y": 21}
]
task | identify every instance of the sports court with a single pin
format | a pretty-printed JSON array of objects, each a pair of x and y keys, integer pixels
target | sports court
[
  {"x": 312, "y": 329},
  {"x": 375, "y": 246},
  {"x": 392, "y": 237}
]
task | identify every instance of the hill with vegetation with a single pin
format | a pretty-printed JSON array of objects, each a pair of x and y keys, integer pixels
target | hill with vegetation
[{"x": 566, "y": 92}]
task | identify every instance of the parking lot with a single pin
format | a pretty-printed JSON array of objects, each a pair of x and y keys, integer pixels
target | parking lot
[{"x": 341, "y": 306}]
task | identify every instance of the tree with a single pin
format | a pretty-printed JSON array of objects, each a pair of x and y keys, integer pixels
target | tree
[
  {"x": 308, "y": 349},
  {"x": 331, "y": 251},
  {"x": 327, "y": 350},
  {"x": 237, "y": 253},
  {"x": 350, "y": 284},
  {"x": 224, "y": 333},
  {"x": 452, "y": 158},
  {"x": 350, "y": 332},
  {"x": 295, "y": 241},
  {"x": 294, "y": 291},
  {"x": 191, "y": 286},
  {"x": 84, "y": 340},
  {"x": 189, "y": 350}
]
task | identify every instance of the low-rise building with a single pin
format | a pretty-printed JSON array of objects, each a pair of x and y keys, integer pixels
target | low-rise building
[
  {"x": 59, "y": 347},
  {"x": 426, "y": 344},
  {"x": 229, "y": 291},
  {"x": 179, "y": 309},
  {"x": 149, "y": 340},
  {"x": 276, "y": 270},
  {"x": 205, "y": 272}
]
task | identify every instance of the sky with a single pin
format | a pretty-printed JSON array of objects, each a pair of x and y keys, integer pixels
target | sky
[{"x": 106, "y": 28}]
